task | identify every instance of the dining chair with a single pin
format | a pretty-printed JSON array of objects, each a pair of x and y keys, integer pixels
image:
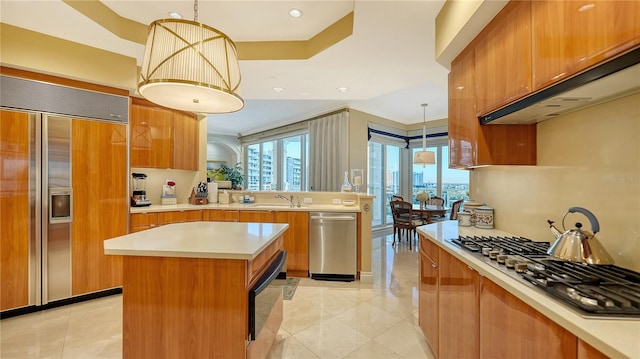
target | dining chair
[
  {"x": 395, "y": 197},
  {"x": 455, "y": 208},
  {"x": 405, "y": 221},
  {"x": 436, "y": 201}
]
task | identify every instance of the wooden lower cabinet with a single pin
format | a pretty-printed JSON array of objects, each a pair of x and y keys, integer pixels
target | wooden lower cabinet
[
  {"x": 586, "y": 351},
  {"x": 179, "y": 216},
  {"x": 428, "y": 288},
  {"x": 459, "y": 312},
  {"x": 296, "y": 241},
  {"x": 510, "y": 328},
  {"x": 256, "y": 216},
  {"x": 221, "y": 215},
  {"x": 142, "y": 221}
]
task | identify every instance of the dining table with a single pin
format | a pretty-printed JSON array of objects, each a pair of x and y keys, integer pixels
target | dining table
[{"x": 429, "y": 211}]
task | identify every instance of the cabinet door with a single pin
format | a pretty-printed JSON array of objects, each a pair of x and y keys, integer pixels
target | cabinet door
[
  {"x": 463, "y": 123},
  {"x": 459, "y": 314},
  {"x": 256, "y": 216},
  {"x": 586, "y": 351},
  {"x": 428, "y": 296},
  {"x": 99, "y": 172},
  {"x": 222, "y": 215},
  {"x": 151, "y": 142},
  {"x": 14, "y": 209},
  {"x": 570, "y": 36},
  {"x": 141, "y": 221},
  {"x": 510, "y": 328},
  {"x": 296, "y": 241},
  {"x": 185, "y": 141},
  {"x": 503, "y": 58}
]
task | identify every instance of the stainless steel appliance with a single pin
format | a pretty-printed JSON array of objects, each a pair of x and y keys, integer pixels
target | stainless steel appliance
[
  {"x": 139, "y": 191},
  {"x": 592, "y": 290},
  {"x": 332, "y": 245},
  {"x": 265, "y": 295}
]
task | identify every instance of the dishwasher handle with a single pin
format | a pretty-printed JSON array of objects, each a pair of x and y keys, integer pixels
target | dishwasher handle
[{"x": 333, "y": 218}]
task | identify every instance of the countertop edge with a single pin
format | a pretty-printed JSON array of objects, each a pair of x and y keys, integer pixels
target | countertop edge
[
  {"x": 243, "y": 207},
  {"x": 540, "y": 301}
]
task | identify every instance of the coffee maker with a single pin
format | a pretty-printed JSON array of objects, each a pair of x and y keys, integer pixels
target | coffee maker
[{"x": 139, "y": 194}]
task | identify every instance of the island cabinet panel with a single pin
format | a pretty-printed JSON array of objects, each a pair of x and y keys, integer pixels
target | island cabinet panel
[
  {"x": 14, "y": 209},
  {"x": 296, "y": 241},
  {"x": 428, "y": 289},
  {"x": 208, "y": 308},
  {"x": 163, "y": 138},
  {"x": 503, "y": 58},
  {"x": 459, "y": 312},
  {"x": 586, "y": 351},
  {"x": 99, "y": 157},
  {"x": 571, "y": 36},
  {"x": 221, "y": 215},
  {"x": 256, "y": 216},
  {"x": 472, "y": 144},
  {"x": 510, "y": 328},
  {"x": 179, "y": 216}
]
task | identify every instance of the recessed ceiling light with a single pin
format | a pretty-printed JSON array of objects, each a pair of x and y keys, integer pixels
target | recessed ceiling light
[
  {"x": 295, "y": 13},
  {"x": 342, "y": 89},
  {"x": 175, "y": 15},
  {"x": 278, "y": 89}
]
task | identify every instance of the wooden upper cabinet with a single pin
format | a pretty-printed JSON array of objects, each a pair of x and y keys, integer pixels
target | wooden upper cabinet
[
  {"x": 571, "y": 36},
  {"x": 503, "y": 58},
  {"x": 185, "y": 141},
  {"x": 472, "y": 144},
  {"x": 463, "y": 123},
  {"x": 163, "y": 138}
]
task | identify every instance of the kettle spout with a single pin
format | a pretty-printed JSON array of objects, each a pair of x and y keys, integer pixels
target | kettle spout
[{"x": 554, "y": 230}]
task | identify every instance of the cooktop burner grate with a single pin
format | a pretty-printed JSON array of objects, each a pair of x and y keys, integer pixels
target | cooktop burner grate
[{"x": 594, "y": 290}]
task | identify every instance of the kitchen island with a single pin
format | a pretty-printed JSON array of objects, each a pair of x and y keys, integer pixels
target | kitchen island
[
  {"x": 495, "y": 306},
  {"x": 186, "y": 289}
]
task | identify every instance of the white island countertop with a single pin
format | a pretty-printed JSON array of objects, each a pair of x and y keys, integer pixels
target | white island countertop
[
  {"x": 223, "y": 240},
  {"x": 617, "y": 338}
]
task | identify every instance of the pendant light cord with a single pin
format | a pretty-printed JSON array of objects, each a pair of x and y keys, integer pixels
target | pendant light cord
[
  {"x": 195, "y": 10},
  {"x": 424, "y": 126}
]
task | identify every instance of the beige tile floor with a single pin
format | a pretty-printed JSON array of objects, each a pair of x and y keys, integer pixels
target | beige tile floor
[{"x": 323, "y": 320}]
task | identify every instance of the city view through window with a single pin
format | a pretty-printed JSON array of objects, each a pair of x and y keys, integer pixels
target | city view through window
[{"x": 278, "y": 165}]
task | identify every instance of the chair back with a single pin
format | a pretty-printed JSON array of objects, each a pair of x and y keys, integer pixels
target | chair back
[
  {"x": 436, "y": 201},
  {"x": 455, "y": 208},
  {"x": 395, "y": 197}
]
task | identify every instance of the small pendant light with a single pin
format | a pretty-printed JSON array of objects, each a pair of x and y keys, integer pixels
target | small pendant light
[{"x": 424, "y": 157}]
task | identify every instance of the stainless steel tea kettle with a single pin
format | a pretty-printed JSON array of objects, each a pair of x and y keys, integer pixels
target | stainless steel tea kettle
[{"x": 578, "y": 245}]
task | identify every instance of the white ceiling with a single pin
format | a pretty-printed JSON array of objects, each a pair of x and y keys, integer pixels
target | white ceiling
[{"x": 388, "y": 63}]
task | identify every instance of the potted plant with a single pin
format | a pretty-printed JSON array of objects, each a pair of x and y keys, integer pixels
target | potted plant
[{"x": 232, "y": 174}]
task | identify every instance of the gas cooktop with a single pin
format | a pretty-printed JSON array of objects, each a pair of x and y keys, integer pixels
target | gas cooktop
[{"x": 593, "y": 290}]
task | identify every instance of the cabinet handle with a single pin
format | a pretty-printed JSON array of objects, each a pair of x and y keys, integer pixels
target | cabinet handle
[{"x": 434, "y": 265}]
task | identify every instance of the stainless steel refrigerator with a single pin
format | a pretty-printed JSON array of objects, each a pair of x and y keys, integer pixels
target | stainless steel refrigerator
[{"x": 41, "y": 187}]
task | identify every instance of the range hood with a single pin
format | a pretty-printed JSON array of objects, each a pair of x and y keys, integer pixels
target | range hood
[{"x": 615, "y": 78}]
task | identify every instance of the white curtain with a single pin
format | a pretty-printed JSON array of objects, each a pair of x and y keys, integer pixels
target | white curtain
[{"x": 328, "y": 151}]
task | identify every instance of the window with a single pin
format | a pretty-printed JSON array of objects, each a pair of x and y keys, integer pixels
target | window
[
  {"x": 383, "y": 179},
  {"x": 439, "y": 180},
  {"x": 278, "y": 164}
]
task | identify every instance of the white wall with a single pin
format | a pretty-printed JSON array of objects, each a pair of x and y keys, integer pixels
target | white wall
[{"x": 590, "y": 159}]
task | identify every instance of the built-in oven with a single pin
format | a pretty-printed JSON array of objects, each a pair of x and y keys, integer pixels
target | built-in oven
[{"x": 265, "y": 295}]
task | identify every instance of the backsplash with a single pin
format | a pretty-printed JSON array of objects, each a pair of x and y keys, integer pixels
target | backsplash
[{"x": 589, "y": 158}]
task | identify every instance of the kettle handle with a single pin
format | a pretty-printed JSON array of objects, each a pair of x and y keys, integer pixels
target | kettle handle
[{"x": 595, "y": 226}]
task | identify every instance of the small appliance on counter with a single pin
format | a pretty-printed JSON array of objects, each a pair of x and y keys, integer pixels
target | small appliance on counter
[
  {"x": 169, "y": 193},
  {"x": 139, "y": 194}
]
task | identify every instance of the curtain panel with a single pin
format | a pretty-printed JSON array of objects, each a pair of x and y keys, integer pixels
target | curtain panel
[{"x": 328, "y": 151}]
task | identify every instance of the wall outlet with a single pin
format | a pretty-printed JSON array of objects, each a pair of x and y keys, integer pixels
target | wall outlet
[
  {"x": 337, "y": 201},
  {"x": 307, "y": 200}
]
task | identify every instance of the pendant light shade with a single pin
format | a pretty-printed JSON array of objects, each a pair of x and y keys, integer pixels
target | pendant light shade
[
  {"x": 424, "y": 157},
  {"x": 190, "y": 66}
]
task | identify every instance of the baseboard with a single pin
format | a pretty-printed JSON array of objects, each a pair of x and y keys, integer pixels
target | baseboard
[{"x": 366, "y": 277}]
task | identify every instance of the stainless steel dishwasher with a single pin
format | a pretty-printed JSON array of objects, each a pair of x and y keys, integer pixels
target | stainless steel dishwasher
[{"x": 332, "y": 245}]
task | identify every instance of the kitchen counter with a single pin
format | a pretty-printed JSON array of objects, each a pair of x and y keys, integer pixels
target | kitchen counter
[
  {"x": 222, "y": 240},
  {"x": 245, "y": 207},
  {"x": 617, "y": 338}
]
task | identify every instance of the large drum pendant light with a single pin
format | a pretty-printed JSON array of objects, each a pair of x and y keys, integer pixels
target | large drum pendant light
[
  {"x": 424, "y": 157},
  {"x": 190, "y": 66}
]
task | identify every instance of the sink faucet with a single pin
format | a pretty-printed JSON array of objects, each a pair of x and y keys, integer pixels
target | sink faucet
[{"x": 290, "y": 199}]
